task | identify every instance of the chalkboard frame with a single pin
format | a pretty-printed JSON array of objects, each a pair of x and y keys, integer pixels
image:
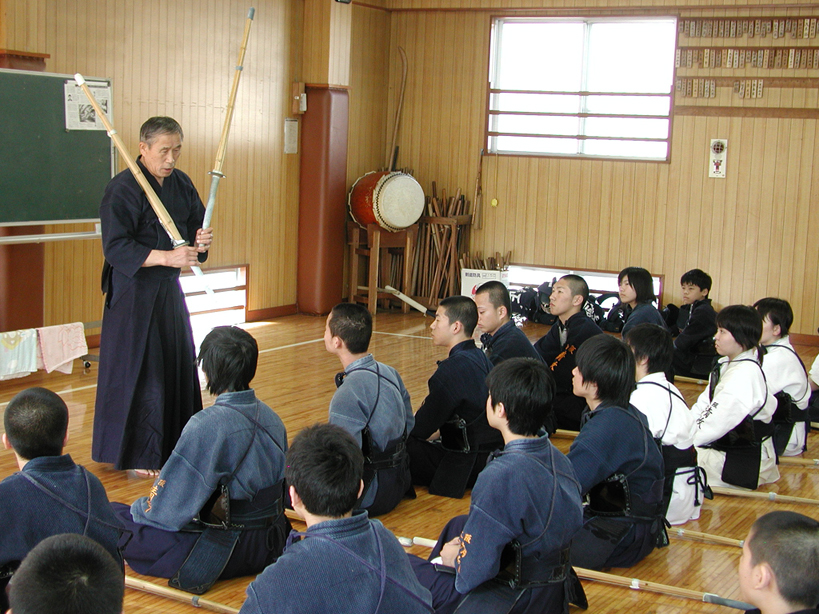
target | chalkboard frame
[{"x": 41, "y": 157}]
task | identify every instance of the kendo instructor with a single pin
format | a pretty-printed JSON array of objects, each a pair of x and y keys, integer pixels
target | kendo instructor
[{"x": 148, "y": 385}]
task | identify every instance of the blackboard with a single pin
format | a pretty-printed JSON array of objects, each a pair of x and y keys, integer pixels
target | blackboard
[{"x": 47, "y": 173}]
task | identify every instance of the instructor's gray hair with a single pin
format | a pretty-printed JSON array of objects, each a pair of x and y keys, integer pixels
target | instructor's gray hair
[{"x": 156, "y": 126}]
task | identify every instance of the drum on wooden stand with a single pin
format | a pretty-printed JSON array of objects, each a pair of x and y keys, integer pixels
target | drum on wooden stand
[{"x": 392, "y": 200}]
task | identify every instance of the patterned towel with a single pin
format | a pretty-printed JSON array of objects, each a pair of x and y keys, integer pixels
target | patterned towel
[
  {"x": 60, "y": 345},
  {"x": 18, "y": 353}
]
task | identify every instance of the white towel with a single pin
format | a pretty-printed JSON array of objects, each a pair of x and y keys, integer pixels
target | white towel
[
  {"x": 18, "y": 353},
  {"x": 60, "y": 345}
]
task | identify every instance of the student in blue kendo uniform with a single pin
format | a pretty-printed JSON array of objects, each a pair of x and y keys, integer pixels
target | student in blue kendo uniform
[
  {"x": 372, "y": 404},
  {"x": 559, "y": 345},
  {"x": 217, "y": 509},
  {"x": 50, "y": 494},
  {"x": 344, "y": 562},
  {"x": 511, "y": 553},
  {"x": 500, "y": 338},
  {"x": 68, "y": 574},
  {"x": 451, "y": 440},
  {"x": 617, "y": 462}
]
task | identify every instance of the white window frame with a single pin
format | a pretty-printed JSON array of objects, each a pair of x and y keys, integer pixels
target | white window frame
[{"x": 493, "y": 114}]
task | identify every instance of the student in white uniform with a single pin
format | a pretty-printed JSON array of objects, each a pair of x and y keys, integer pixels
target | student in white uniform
[
  {"x": 670, "y": 421},
  {"x": 786, "y": 374},
  {"x": 734, "y": 433}
]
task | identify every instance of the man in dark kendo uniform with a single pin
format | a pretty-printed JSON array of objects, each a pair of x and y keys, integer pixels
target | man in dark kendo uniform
[
  {"x": 451, "y": 439},
  {"x": 148, "y": 386},
  {"x": 558, "y": 347},
  {"x": 617, "y": 462},
  {"x": 501, "y": 338}
]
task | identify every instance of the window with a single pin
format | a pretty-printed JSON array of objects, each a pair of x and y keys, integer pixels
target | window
[{"x": 582, "y": 87}]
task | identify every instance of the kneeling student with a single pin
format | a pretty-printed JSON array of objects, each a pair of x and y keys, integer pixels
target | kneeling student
[
  {"x": 216, "y": 510},
  {"x": 617, "y": 462},
  {"x": 513, "y": 547},
  {"x": 50, "y": 494},
  {"x": 501, "y": 338},
  {"x": 454, "y": 407},
  {"x": 778, "y": 571},
  {"x": 372, "y": 404},
  {"x": 786, "y": 376},
  {"x": 669, "y": 420},
  {"x": 558, "y": 347},
  {"x": 344, "y": 562},
  {"x": 695, "y": 326},
  {"x": 734, "y": 435}
]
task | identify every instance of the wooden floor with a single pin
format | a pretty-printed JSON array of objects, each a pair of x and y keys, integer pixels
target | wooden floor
[{"x": 295, "y": 377}]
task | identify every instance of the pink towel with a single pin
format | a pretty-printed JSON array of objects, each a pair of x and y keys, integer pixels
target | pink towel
[{"x": 60, "y": 345}]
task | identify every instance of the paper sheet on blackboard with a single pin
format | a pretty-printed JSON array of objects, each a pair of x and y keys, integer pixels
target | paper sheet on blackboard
[{"x": 79, "y": 114}]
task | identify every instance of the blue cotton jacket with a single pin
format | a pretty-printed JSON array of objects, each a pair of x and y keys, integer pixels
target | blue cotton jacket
[
  {"x": 216, "y": 443},
  {"x": 336, "y": 568}
]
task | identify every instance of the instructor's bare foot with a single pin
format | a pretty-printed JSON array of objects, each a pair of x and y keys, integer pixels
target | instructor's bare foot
[{"x": 146, "y": 473}]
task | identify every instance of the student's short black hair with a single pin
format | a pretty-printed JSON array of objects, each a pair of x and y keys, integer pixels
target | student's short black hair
[
  {"x": 697, "y": 277},
  {"x": 743, "y": 323},
  {"x": 778, "y": 312},
  {"x": 228, "y": 356},
  {"x": 498, "y": 295},
  {"x": 67, "y": 574},
  {"x": 461, "y": 309},
  {"x": 325, "y": 466},
  {"x": 35, "y": 423},
  {"x": 353, "y": 324},
  {"x": 609, "y": 363},
  {"x": 577, "y": 285},
  {"x": 640, "y": 280},
  {"x": 789, "y": 543},
  {"x": 526, "y": 387},
  {"x": 653, "y": 342},
  {"x": 157, "y": 126}
]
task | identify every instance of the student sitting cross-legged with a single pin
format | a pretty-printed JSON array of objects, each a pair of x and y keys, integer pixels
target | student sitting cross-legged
[
  {"x": 451, "y": 439},
  {"x": 670, "y": 422},
  {"x": 779, "y": 568},
  {"x": 68, "y": 574},
  {"x": 344, "y": 562},
  {"x": 617, "y": 462},
  {"x": 372, "y": 404},
  {"x": 511, "y": 553},
  {"x": 217, "y": 509},
  {"x": 50, "y": 494}
]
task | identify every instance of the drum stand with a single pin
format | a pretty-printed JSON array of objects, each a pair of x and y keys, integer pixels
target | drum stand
[{"x": 378, "y": 240}]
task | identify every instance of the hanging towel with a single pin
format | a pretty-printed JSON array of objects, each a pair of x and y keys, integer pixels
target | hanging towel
[
  {"x": 18, "y": 353},
  {"x": 60, "y": 345}
]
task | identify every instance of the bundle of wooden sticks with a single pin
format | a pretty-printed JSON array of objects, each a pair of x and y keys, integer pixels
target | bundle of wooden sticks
[
  {"x": 490, "y": 263},
  {"x": 443, "y": 234}
]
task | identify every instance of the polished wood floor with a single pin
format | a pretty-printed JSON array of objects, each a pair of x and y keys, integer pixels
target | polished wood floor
[{"x": 295, "y": 377}]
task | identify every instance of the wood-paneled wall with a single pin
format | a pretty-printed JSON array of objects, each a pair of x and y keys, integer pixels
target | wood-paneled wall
[
  {"x": 178, "y": 59},
  {"x": 371, "y": 55},
  {"x": 754, "y": 232}
]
